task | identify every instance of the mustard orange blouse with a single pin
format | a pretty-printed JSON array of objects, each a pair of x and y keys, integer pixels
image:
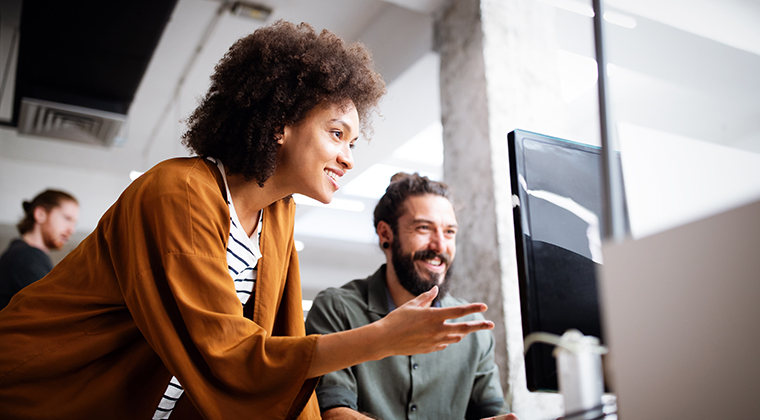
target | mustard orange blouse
[{"x": 148, "y": 295}]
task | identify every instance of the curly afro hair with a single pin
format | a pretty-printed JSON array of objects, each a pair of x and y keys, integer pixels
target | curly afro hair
[{"x": 270, "y": 79}]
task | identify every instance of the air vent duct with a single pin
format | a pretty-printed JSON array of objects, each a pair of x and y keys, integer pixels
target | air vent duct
[{"x": 69, "y": 122}]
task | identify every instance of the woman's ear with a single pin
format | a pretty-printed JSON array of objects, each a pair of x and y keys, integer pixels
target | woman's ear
[{"x": 281, "y": 136}]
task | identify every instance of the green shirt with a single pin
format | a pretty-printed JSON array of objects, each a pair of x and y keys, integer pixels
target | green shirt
[{"x": 459, "y": 382}]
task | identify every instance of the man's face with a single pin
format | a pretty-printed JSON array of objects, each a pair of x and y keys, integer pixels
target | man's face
[
  {"x": 425, "y": 244},
  {"x": 59, "y": 225}
]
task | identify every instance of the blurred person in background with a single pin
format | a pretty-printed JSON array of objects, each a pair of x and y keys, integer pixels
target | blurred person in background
[{"x": 49, "y": 221}]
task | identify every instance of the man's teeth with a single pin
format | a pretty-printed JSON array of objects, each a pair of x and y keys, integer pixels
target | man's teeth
[
  {"x": 436, "y": 262},
  {"x": 332, "y": 175}
]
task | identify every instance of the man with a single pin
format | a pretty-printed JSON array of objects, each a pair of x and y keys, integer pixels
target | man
[
  {"x": 417, "y": 227},
  {"x": 48, "y": 223}
]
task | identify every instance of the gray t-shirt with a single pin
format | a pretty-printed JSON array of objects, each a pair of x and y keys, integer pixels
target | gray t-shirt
[{"x": 20, "y": 266}]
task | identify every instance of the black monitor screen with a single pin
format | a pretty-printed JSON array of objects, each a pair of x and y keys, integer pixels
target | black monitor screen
[{"x": 557, "y": 188}]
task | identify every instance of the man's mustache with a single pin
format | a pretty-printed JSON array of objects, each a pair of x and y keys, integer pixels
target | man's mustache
[{"x": 429, "y": 254}]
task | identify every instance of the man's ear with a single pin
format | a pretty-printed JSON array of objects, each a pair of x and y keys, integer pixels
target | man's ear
[
  {"x": 40, "y": 214},
  {"x": 384, "y": 232}
]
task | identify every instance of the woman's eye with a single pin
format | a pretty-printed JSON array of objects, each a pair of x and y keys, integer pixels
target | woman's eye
[
  {"x": 337, "y": 134},
  {"x": 351, "y": 146}
]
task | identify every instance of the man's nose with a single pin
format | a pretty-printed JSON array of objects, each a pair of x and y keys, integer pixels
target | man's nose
[{"x": 436, "y": 241}]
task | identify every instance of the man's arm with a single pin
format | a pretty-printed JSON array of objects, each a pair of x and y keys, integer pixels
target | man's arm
[
  {"x": 344, "y": 413},
  {"x": 336, "y": 389}
]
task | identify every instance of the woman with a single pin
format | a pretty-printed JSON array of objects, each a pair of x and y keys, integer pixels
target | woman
[{"x": 170, "y": 284}]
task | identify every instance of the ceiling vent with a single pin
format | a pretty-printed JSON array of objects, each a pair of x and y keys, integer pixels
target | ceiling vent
[{"x": 70, "y": 122}]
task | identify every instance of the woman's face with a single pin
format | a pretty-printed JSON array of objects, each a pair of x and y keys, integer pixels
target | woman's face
[{"x": 316, "y": 152}]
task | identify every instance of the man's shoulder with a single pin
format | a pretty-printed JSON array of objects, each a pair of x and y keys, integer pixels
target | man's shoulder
[
  {"x": 23, "y": 264},
  {"x": 340, "y": 308},
  {"x": 22, "y": 253},
  {"x": 352, "y": 293}
]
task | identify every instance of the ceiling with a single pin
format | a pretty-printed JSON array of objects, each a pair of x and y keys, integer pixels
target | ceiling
[
  {"x": 80, "y": 53},
  {"x": 688, "y": 67}
]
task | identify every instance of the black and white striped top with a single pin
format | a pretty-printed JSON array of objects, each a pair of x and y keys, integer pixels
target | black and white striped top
[{"x": 243, "y": 254}]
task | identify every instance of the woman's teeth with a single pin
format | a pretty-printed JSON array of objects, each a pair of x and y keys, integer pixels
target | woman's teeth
[{"x": 332, "y": 175}]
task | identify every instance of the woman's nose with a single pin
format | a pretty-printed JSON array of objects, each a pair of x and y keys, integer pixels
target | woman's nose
[{"x": 346, "y": 158}]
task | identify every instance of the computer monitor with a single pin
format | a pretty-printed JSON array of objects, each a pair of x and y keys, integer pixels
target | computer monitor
[{"x": 557, "y": 199}]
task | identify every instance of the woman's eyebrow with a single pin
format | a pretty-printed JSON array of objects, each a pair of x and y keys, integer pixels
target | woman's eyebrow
[{"x": 341, "y": 122}]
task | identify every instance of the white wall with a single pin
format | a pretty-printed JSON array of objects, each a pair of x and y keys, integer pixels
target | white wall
[{"x": 671, "y": 180}]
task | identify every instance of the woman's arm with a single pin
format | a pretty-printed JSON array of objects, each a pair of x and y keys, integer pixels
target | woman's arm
[{"x": 413, "y": 328}]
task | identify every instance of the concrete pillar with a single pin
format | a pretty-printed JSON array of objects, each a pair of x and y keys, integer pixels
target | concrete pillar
[{"x": 498, "y": 73}]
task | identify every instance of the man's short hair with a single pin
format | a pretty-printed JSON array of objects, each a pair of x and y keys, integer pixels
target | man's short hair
[
  {"x": 48, "y": 199},
  {"x": 402, "y": 186}
]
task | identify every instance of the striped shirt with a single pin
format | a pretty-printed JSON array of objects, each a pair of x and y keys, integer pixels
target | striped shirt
[{"x": 243, "y": 254}]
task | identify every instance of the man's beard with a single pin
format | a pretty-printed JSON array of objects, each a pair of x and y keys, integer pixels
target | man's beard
[
  {"x": 410, "y": 279},
  {"x": 51, "y": 241}
]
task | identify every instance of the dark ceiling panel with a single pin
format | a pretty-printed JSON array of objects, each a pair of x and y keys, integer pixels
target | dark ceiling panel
[{"x": 87, "y": 53}]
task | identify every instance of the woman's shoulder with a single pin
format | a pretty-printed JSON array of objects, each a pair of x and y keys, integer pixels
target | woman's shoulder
[
  {"x": 179, "y": 184},
  {"x": 179, "y": 200},
  {"x": 185, "y": 168},
  {"x": 184, "y": 175}
]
